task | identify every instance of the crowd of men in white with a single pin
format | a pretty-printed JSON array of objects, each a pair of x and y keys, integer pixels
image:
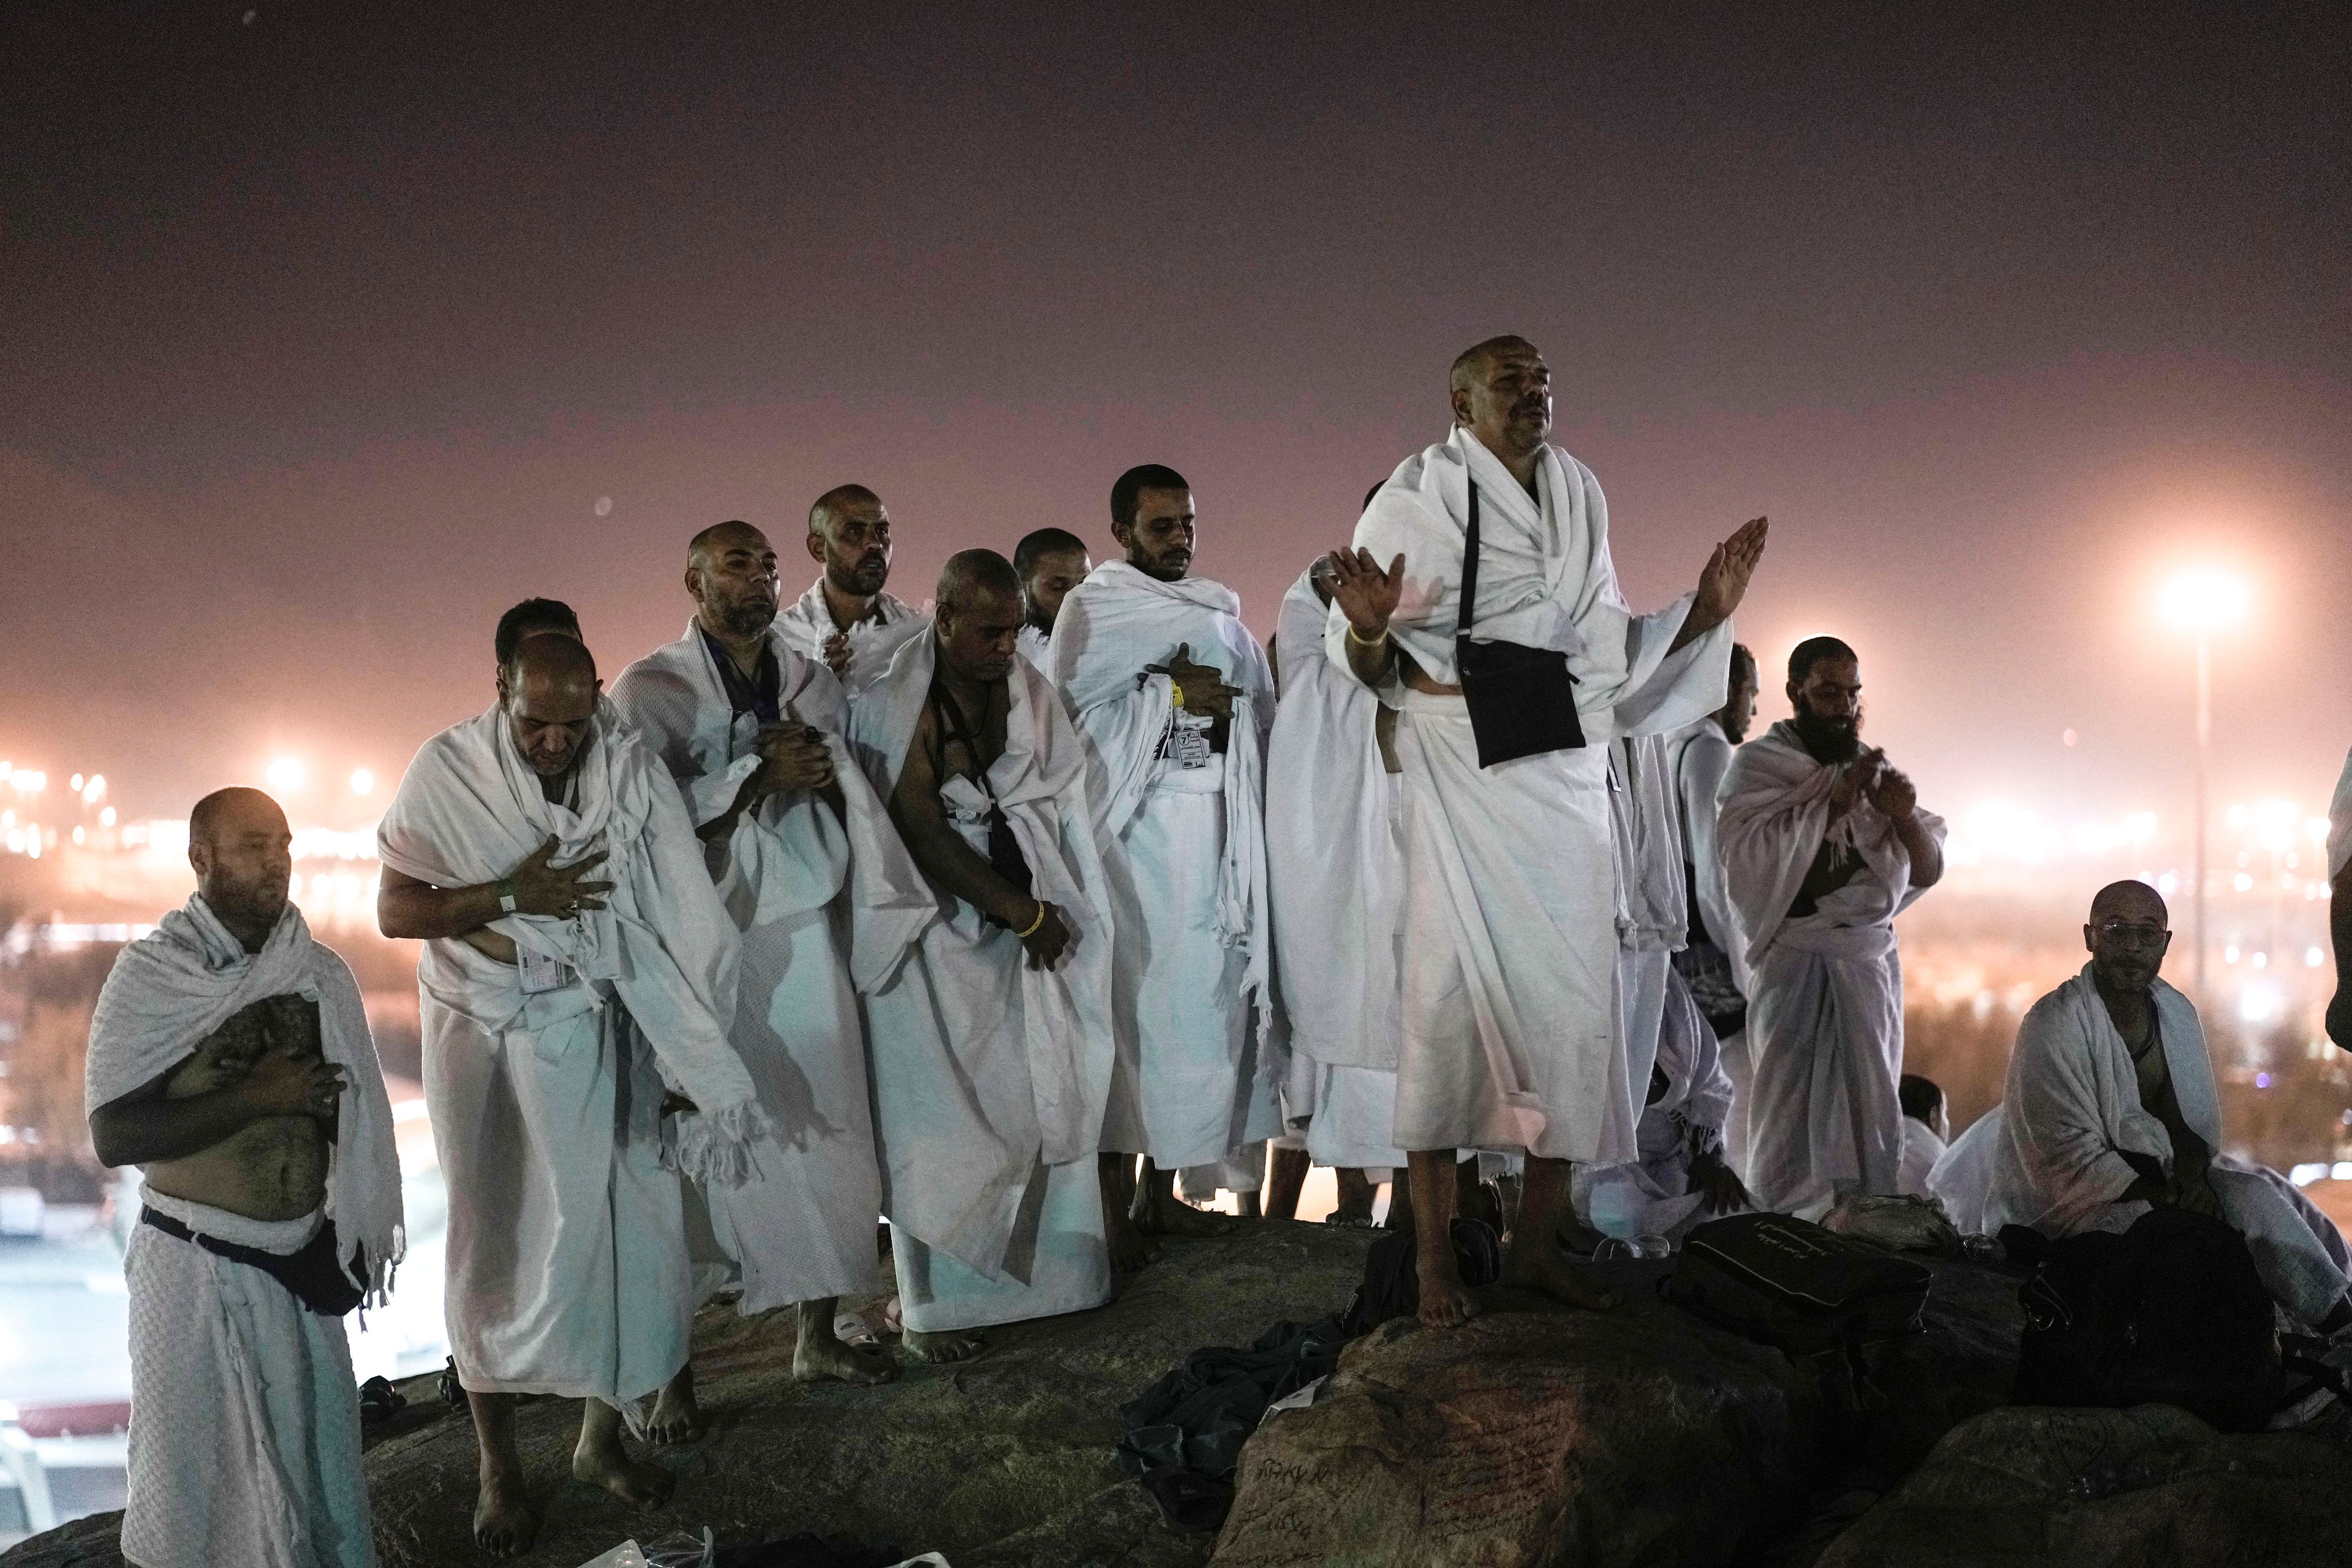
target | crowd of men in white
[{"x": 840, "y": 910}]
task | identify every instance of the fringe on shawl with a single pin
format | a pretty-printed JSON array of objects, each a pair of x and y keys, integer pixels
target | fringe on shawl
[{"x": 716, "y": 1148}]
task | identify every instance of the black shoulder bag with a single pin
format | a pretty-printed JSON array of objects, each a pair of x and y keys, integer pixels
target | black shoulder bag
[
  {"x": 1522, "y": 700},
  {"x": 1004, "y": 849}
]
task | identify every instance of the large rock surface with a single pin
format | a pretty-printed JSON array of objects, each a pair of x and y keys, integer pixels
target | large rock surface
[
  {"x": 2152, "y": 1487},
  {"x": 998, "y": 1462},
  {"x": 1535, "y": 1435}
]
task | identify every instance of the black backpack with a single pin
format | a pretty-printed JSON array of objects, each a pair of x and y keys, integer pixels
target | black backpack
[
  {"x": 2169, "y": 1312},
  {"x": 1789, "y": 1283}
]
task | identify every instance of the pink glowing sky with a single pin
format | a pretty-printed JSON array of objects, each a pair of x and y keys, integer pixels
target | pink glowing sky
[{"x": 327, "y": 333}]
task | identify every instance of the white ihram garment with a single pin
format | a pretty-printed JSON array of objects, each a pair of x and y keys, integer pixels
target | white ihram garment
[
  {"x": 1921, "y": 1150},
  {"x": 1335, "y": 870},
  {"x": 806, "y": 626},
  {"x": 1961, "y": 1179},
  {"x": 1192, "y": 952},
  {"x": 567, "y": 1268},
  {"x": 1826, "y": 1010},
  {"x": 1036, "y": 648},
  {"x": 1646, "y": 830},
  {"x": 824, "y": 906},
  {"x": 1510, "y": 1033},
  {"x": 2072, "y": 1105},
  {"x": 245, "y": 1437},
  {"x": 1651, "y": 1195},
  {"x": 990, "y": 1076},
  {"x": 1700, "y": 754}
]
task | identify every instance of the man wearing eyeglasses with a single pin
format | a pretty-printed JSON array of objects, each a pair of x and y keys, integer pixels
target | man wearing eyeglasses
[{"x": 2111, "y": 1112}]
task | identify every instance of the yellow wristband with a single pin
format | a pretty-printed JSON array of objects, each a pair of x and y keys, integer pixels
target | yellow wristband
[
  {"x": 1025, "y": 935},
  {"x": 1365, "y": 642}
]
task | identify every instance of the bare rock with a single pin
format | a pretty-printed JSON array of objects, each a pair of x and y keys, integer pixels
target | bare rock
[{"x": 2151, "y": 1487}]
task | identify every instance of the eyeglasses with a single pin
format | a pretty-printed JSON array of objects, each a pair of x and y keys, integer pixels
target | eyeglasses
[{"x": 2130, "y": 933}]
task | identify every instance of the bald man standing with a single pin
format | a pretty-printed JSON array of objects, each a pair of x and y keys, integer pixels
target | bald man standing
[
  {"x": 847, "y": 619},
  {"x": 992, "y": 1045},
  {"x": 230, "y": 1059},
  {"x": 577, "y": 972},
  {"x": 827, "y": 901}
]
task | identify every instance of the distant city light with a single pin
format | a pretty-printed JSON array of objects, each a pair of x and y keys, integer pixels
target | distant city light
[
  {"x": 2242, "y": 883},
  {"x": 2258, "y": 1004},
  {"x": 74, "y": 784},
  {"x": 106, "y": 818},
  {"x": 285, "y": 774},
  {"x": 2313, "y": 957},
  {"x": 95, "y": 790},
  {"x": 362, "y": 782},
  {"x": 2230, "y": 953},
  {"x": 2205, "y": 600},
  {"x": 25, "y": 781},
  {"x": 2262, "y": 961}
]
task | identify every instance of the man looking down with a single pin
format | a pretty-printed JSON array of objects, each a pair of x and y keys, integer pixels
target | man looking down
[
  {"x": 992, "y": 1044},
  {"x": 826, "y": 902},
  {"x": 576, "y": 968},
  {"x": 230, "y": 1059},
  {"x": 846, "y": 618},
  {"x": 1049, "y": 561},
  {"x": 2110, "y": 1111},
  {"x": 1823, "y": 844},
  {"x": 1173, "y": 696},
  {"x": 1510, "y": 947}
]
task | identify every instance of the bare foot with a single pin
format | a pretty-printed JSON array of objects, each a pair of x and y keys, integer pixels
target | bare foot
[
  {"x": 1172, "y": 1215},
  {"x": 822, "y": 1356},
  {"x": 505, "y": 1524},
  {"x": 1445, "y": 1301},
  {"x": 606, "y": 1464},
  {"x": 1131, "y": 1249},
  {"x": 677, "y": 1418},
  {"x": 1540, "y": 1265},
  {"x": 957, "y": 1344}
]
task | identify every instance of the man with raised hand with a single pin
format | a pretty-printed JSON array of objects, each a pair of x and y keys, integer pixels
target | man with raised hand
[
  {"x": 1050, "y": 561},
  {"x": 992, "y": 1044},
  {"x": 826, "y": 901},
  {"x": 230, "y": 1059},
  {"x": 1823, "y": 844},
  {"x": 847, "y": 619},
  {"x": 2111, "y": 1110},
  {"x": 1334, "y": 866},
  {"x": 1173, "y": 698},
  {"x": 576, "y": 973},
  {"x": 1510, "y": 1034}
]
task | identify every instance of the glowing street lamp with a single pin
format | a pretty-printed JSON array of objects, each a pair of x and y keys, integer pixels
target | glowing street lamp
[
  {"x": 285, "y": 776},
  {"x": 2202, "y": 602}
]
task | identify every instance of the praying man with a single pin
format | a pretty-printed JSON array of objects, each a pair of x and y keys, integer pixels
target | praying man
[
  {"x": 1823, "y": 844},
  {"x": 847, "y": 619},
  {"x": 2111, "y": 1110},
  {"x": 1050, "y": 561},
  {"x": 815, "y": 879},
  {"x": 1173, "y": 698},
  {"x": 1510, "y": 1036},
  {"x": 230, "y": 1060},
  {"x": 1335, "y": 865},
  {"x": 577, "y": 972},
  {"x": 992, "y": 1043}
]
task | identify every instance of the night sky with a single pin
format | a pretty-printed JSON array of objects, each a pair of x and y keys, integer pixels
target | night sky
[{"x": 327, "y": 332}]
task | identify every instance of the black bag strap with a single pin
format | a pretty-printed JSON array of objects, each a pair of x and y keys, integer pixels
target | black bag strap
[
  {"x": 1469, "y": 567},
  {"x": 960, "y": 730}
]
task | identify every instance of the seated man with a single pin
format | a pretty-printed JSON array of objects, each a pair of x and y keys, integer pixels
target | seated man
[
  {"x": 1926, "y": 1130},
  {"x": 992, "y": 1043},
  {"x": 2111, "y": 1110},
  {"x": 1681, "y": 1175},
  {"x": 229, "y": 1057}
]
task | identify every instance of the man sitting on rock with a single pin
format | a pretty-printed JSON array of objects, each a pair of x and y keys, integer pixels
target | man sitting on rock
[
  {"x": 2111, "y": 1110},
  {"x": 1927, "y": 1131}
]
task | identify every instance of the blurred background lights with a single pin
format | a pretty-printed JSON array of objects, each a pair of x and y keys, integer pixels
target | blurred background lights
[
  {"x": 362, "y": 782},
  {"x": 285, "y": 776},
  {"x": 2204, "y": 600}
]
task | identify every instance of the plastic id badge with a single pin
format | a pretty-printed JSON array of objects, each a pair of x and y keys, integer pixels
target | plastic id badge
[{"x": 541, "y": 973}]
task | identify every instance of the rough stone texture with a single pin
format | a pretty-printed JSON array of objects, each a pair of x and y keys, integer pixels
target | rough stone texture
[
  {"x": 1539, "y": 1436},
  {"x": 2006, "y": 1488},
  {"x": 998, "y": 1462}
]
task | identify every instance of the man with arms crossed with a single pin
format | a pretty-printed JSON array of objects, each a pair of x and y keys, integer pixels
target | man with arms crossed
[
  {"x": 576, "y": 966},
  {"x": 1510, "y": 948},
  {"x": 846, "y": 618},
  {"x": 1172, "y": 695},
  {"x": 1823, "y": 844},
  {"x": 230, "y": 1059},
  {"x": 814, "y": 877}
]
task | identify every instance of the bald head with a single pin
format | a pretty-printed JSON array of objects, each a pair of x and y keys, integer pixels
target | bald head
[
  {"x": 730, "y": 574},
  {"x": 2128, "y": 900},
  {"x": 980, "y": 616},
  {"x": 850, "y": 535},
  {"x": 2126, "y": 938},
  {"x": 553, "y": 659},
  {"x": 969, "y": 572},
  {"x": 721, "y": 537},
  {"x": 551, "y": 701},
  {"x": 1500, "y": 390},
  {"x": 1470, "y": 366},
  {"x": 243, "y": 853}
]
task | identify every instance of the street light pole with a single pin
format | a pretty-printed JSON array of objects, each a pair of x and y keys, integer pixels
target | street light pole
[{"x": 2204, "y": 748}]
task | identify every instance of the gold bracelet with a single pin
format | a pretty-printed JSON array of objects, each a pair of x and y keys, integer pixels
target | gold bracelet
[
  {"x": 1366, "y": 642},
  {"x": 1025, "y": 935}
]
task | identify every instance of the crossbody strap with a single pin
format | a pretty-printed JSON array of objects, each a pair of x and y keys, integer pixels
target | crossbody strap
[
  {"x": 960, "y": 730},
  {"x": 1469, "y": 567}
]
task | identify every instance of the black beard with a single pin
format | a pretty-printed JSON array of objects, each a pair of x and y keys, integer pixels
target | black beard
[
  {"x": 852, "y": 579},
  {"x": 256, "y": 906},
  {"x": 1043, "y": 622},
  {"x": 746, "y": 619},
  {"x": 1829, "y": 741}
]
